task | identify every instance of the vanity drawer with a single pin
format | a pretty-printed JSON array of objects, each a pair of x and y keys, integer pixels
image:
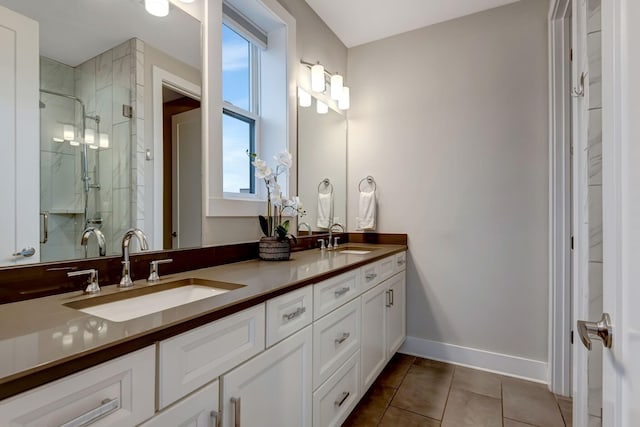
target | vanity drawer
[
  {"x": 334, "y": 292},
  {"x": 377, "y": 272},
  {"x": 400, "y": 262},
  {"x": 335, "y": 338},
  {"x": 120, "y": 392},
  {"x": 336, "y": 398},
  {"x": 289, "y": 313},
  {"x": 192, "y": 359}
]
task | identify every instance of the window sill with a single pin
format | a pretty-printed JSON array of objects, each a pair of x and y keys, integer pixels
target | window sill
[{"x": 235, "y": 207}]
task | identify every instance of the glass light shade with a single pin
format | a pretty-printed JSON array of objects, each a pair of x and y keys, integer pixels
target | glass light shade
[
  {"x": 57, "y": 139},
  {"x": 103, "y": 140},
  {"x": 344, "y": 102},
  {"x": 68, "y": 132},
  {"x": 93, "y": 147},
  {"x": 336, "y": 86},
  {"x": 304, "y": 98},
  {"x": 74, "y": 143},
  {"x": 317, "y": 78},
  {"x": 89, "y": 136},
  {"x": 157, "y": 7},
  {"x": 321, "y": 107}
]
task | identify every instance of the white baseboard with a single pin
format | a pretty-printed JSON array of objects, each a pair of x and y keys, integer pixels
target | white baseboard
[{"x": 514, "y": 366}]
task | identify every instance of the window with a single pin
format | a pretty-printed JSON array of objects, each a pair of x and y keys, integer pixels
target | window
[{"x": 240, "y": 83}]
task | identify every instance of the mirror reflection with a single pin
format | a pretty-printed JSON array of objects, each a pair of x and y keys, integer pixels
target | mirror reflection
[
  {"x": 97, "y": 61},
  {"x": 322, "y": 168}
]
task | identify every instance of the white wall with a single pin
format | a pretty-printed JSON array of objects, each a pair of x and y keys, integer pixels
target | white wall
[{"x": 451, "y": 121}]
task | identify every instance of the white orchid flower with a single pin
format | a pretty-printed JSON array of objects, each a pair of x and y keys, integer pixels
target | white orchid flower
[
  {"x": 263, "y": 172},
  {"x": 284, "y": 158}
]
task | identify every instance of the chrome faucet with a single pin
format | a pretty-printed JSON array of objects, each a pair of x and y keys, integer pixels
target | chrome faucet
[
  {"x": 84, "y": 240},
  {"x": 331, "y": 245},
  {"x": 125, "y": 281},
  {"x": 306, "y": 224}
]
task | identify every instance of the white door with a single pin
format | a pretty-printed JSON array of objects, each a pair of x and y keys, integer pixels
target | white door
[
  {"x": 19, "y": 121},
  {"x": 373, "y": 350},
  {"x": 273, "y": 389},
  {"x": 187, "y": 179},
  {"x": 620, "y": 225},
  {"x": 396, "y": 313}
]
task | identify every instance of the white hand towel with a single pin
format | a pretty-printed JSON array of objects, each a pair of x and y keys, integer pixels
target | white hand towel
[
  {"x": 325, "y": 206},
  {"x": 366, "y": 219}
]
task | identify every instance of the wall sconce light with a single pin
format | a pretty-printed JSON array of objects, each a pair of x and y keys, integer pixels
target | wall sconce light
[
  {"x": 336, "y": 87},
  {"x": 68, "y": 133},
  {"x": 344, "y": 103},
  {"x": 317, "y": 78},
  {"x": 103, "y": 140},
  {"x": 304, "y": 98},
  {"x": 157, "y": 7},
  {"x": 321, "y": 107},
  {"x": 89, "y": 136}
]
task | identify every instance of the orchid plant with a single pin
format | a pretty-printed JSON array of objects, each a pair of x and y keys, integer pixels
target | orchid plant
[{"x": 277, "y": 206}]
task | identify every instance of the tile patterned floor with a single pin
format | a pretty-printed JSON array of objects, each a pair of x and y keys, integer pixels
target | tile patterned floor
[{"x": 415, "y": 392}]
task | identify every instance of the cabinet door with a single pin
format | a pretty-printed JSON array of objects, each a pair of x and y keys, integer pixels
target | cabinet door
[
  {"x": 197, "y": 410},
  {"x": 373, "y": 348},
  {"x": 273, "y": 389},
  {"x": 396, "y": 313}
]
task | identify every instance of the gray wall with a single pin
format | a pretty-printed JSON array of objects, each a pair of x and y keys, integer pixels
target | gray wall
[
  {"x": 451, "y": 120},
  {"x": 315, "y": 42}
]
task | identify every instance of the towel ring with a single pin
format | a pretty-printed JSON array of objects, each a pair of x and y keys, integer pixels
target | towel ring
[
  {"x": 327, "y": 183},
  {"x": 369, "y": 179}
]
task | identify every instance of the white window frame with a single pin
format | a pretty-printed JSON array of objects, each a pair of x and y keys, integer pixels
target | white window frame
[{"x": 276, "y": 129}]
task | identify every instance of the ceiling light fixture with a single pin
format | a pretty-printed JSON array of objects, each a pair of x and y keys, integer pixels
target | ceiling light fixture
[{"x": 157, "y": 7}]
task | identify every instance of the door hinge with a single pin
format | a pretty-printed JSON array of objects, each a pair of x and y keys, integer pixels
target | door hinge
[
  {"x": 570, "y": 55},
  {"x": 571, "y": 337},
  {"x": 571, "y": 242}
]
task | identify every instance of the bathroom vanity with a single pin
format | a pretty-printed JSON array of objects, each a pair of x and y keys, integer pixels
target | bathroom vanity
[{"x": 293, "y": 343}]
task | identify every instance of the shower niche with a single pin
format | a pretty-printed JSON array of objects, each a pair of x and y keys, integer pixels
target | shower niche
[{"x": 86, "y": 154}]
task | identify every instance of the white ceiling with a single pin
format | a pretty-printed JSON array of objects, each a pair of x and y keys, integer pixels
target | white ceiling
[{"x": 357, "y": 22}]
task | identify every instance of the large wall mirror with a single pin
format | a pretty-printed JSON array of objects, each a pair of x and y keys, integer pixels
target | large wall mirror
[
  {"x": 322, "y": 168},
  {"x": 101, "y": 107}
]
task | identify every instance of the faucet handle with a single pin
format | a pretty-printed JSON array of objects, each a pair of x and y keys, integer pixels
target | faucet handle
[
  {"x": 335, "y": 242},
  {"x": 322, "y": 246},
  {"x": 92, "y": 283},
  {"x": 153, "y": 269}
]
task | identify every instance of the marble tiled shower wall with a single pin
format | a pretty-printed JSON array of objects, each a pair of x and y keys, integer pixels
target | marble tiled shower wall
[
  {"x": 105, "y": 84},
  {"x": 594, "y": 134}
]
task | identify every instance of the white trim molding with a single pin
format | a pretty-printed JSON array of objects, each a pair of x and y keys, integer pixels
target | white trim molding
[
  {"x": 559, "y": 197},
  {"x": 513, "y": 366}
]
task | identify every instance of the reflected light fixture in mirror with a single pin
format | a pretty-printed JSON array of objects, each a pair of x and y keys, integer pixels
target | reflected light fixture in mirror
[
  {"x": 304, "y": 98},
  {"x": 103, "y": 140},
  {"x": 89, "y": 136},
  {"x": 157, "y": 7},
  {"x": 336, "y": 87},
  {"x": 321, "y": 107},
  {"x": 344, "y": 102}
]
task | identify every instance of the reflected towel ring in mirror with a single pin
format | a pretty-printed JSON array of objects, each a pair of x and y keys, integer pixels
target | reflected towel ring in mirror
[
  {"x": 369, "y": 179},
  {"x": 327, "y": 184}
]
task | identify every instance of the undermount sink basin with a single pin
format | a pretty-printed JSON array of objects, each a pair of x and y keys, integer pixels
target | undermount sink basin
[
  {"x": 138, "y": 302},
  {"x": 355, "y": 250}
]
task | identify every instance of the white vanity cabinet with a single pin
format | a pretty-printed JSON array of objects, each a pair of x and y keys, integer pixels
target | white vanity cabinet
[
  {"x": 383, "y": 325},
  {"x": 117, "y": 393},
  {"x": 273, "y": 389},
  {"x": 199, "y": 409}
]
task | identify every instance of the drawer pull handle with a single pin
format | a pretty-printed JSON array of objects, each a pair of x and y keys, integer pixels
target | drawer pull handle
[
  {"x": 215, "y": 417},
  {"x": 290, "y": 316},
  {"x": 342, "y": 338},
  {"x": 342, "y": 398},
  {"x": 341, "y": 292},
  {"x": 401, "y": 262},
  {"x": 388, "y": 298},
  {"x": 106, "y": 407},
  {"x": 370, "y": 276},
  {"x": 235, "y": 401},
  {"x": 391, "y": 294}
]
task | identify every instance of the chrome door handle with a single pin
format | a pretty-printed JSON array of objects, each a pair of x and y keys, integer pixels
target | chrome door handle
[
  {"x": 391, "y": 297},
  {"x": 235, "y": 401},
  {"x": 387, "y": 295},
  {"x": 25, "y": 252},
  {"x": 106, "y": 407},
  {"x": 45, "y": 227},
  {"x": 299, "y": 311},
  {"x": 370, "y": 276},
  {"x": 342, "y": 338},
  {"x": 601, "y": 329},
  {"x": 341, "y": 292}
]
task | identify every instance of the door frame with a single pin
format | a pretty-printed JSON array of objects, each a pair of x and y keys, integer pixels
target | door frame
[
  {"x": 560, "y": 321},
  {"x": 161, "y": 77}
]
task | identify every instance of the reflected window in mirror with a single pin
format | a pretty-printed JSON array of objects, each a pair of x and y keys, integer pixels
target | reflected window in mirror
[{"x": 240, "y": 74}]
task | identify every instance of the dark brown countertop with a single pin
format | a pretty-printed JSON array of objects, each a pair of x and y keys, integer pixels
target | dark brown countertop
[{"x": 42, "y": 340}]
